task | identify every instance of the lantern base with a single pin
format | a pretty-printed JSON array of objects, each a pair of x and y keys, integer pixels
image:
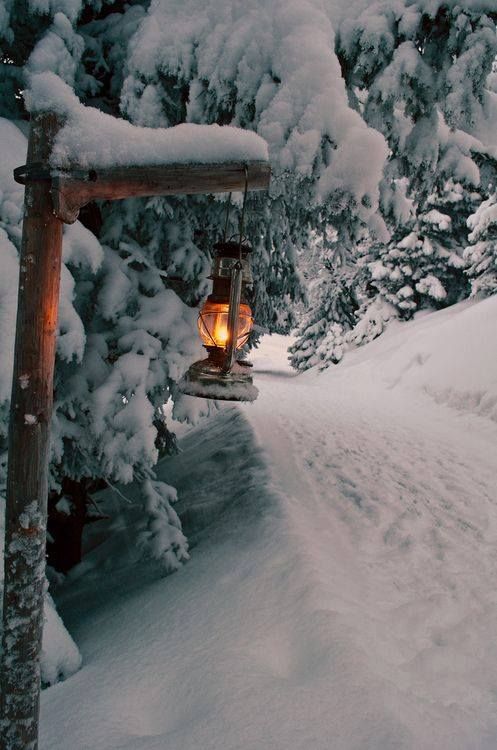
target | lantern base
[{"x": 206, "y": 379}]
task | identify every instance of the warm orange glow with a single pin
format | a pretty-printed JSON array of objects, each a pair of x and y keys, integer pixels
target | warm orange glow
[{"x": 213, "y": 324}]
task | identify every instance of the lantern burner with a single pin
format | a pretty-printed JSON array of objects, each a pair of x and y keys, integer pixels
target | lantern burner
[{"x": 207, "y": 380}]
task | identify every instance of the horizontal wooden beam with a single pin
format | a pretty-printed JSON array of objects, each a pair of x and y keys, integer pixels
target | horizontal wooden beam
[{"x": 71, "y": 191}]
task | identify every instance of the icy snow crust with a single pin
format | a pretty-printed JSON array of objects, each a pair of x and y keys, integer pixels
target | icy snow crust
[
  {"x": 91, "y": 138},
  {"x": 341, "y": 591}
]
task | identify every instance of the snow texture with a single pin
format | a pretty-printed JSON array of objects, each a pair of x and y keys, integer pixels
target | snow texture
[{"x": 13, "y": 146}]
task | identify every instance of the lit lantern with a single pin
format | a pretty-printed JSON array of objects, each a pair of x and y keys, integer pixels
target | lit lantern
[{"x": 224, "y": 324}]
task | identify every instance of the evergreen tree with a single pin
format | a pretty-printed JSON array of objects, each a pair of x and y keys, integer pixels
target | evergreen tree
[
  {"x": 125, "y": 335},
  {"x": 423, "y": 266},
  {"x": 427, "y": 93},
  {"x": 417, "y": 72},
  {"x": 322, "y": 331},
  {"x": 271, "y": 68},
  {"x": 481, "y": 254}
]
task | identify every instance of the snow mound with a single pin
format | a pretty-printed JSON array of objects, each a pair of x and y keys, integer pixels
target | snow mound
[
  {"x": 90, "y": 138},
  {"x": 449, "y": 356},
  {"x": 60, "y": 657}
]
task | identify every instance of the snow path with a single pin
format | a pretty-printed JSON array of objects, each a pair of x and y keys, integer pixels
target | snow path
[
  {"x": 343, "y": 597},
  {"x": 394, "y": 509}
]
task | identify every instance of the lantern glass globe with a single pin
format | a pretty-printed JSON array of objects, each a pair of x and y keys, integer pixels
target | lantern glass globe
[{"x": 213, "y": 324}]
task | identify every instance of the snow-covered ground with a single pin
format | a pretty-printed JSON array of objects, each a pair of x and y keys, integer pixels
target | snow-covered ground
[{"x": 341, "y": 592}]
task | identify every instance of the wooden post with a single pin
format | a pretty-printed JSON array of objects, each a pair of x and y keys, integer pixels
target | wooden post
[{"x": 27, "y": 477}]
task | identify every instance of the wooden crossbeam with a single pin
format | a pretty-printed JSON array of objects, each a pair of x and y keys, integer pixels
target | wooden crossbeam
[{"x": 71, "y": 191}]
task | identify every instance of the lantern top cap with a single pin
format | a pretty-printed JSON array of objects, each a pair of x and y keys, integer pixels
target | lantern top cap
[{"x": 231, "y": 249}]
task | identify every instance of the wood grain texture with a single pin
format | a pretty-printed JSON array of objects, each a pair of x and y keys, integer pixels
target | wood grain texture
[
  {"x": 72, "y": 191},
  {"x": 27, "y": 476}
]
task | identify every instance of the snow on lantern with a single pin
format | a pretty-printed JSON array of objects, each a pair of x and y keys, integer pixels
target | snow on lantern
[{"x": 224, "y": 323}]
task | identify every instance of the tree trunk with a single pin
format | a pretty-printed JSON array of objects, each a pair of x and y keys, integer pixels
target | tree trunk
[
  {"x": 65, "y": 530},
  {"x": 27, "y": 477}
]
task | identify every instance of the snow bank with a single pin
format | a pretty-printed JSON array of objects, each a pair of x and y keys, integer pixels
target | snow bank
[
  {"x": 91, "y": 138},
  {"x": 449, "y": 356},
  {"x": 453, "y": 359},
  {"x": 60, "y": 657}
]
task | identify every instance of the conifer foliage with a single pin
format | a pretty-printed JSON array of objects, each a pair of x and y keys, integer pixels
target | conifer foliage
[
  {"x": 419, "y": 74},
  {"x": 481, "y": 254}
]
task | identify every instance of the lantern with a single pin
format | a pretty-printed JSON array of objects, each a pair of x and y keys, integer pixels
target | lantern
[{"x": 224, "y": 324}]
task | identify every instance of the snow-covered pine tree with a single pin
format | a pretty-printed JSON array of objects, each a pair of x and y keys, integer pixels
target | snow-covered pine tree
[
  {"x": 111, "y": 381},
  {"x": 124, "y": 335},
  {"x": 481, "y": 254},
  {"x": 427, "y": 93},
  {"x": 323, "y": 329},
  {"x": 417, "y": 72},
  {"x": 422, "y": 266}
]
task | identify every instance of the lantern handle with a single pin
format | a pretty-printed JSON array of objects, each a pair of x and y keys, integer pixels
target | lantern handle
[{"x": 233, "y": 315}]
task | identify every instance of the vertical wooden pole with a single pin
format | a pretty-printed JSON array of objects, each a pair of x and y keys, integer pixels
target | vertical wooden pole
[{"x": 27, "y": 476}]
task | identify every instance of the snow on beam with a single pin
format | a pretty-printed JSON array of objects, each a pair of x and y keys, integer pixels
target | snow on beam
[
  {"x": 96, "y": 155},
  {"x": 70, "y": 193}
]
